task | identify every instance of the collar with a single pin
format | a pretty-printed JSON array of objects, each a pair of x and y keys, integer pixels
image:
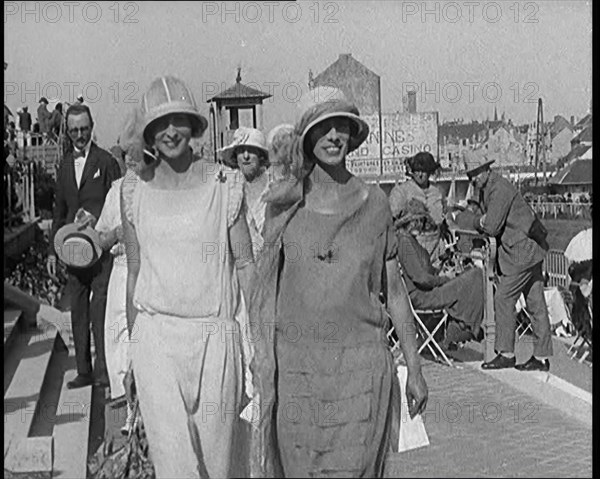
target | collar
[{"x": 86, "y": 149}]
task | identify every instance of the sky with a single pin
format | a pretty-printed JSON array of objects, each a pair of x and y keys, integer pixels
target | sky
[{"x": 464, "y": 58}]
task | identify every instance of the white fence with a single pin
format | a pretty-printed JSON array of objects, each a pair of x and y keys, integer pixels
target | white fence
[
  {"x": 562, "y": 210},
  {"x": 19, "y": 190}
]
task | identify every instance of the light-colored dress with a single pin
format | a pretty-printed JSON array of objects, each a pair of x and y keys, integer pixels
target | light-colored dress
[
  {"x": 433, "y": 199},
  {"x": 186, "y": 350},
  {"x": 255, "y": 214},
  {"x": 116, "y": 337},
  {"x": 431, "y": 196}
]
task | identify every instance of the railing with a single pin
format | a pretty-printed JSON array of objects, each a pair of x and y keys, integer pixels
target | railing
[
  {"x": 41, "y": 149},
  {"x": 19, "y": 190},
  {"x": 488, "y": 257},
  {"x": 562, "y": 210},
  {"x": 556, "y": 268}
]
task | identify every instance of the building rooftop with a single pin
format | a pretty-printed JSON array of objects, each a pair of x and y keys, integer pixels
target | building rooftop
[
  {"x": 576, "y": 152},
  {"x": 359, "y": 84},
  {"x": 559, "y": 124},
  {"x": 584, "y": 136},
  {"x": 461, "y": 131},
  {"x": 585, "y": 121},
  {"x": 579, "y": 172},
  {"x": 240, "y": 91}
]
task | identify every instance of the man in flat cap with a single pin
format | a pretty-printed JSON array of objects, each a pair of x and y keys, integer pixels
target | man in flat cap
[{"x": 522, "y": 247}]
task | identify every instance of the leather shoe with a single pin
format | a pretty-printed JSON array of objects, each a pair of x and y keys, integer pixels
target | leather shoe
[
  {"x": 534, "y": 364},
  {"x": 80, "y": 381},
  {"x": 499, "y": 362}
]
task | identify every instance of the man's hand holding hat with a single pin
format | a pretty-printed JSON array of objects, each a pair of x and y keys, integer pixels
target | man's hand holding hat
[
  {"x": 84, "y": 219},
  {"x": 78, "y": 244}
]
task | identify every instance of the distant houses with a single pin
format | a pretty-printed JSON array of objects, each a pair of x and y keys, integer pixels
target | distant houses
[
  {"x": 497, "y": 139},
  {"x": 514, "y": 147},
  {"x": 561, "y": 133},
  {"x": 576, "y": 167}
]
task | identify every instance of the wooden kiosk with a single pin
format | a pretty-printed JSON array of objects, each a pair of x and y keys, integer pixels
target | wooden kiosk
[{"x": 236, "y": 98}]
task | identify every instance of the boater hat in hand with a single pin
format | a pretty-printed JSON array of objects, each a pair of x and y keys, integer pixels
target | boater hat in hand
[{"x": 78, "y": 245}]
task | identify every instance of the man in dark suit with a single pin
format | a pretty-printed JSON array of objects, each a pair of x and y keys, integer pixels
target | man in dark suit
[
  {"x": 84, "y": 178},
  {"x": 522, "y": 247}
]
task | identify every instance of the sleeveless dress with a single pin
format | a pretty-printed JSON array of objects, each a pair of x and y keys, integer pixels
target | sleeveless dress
[
  {"x": 116, "y": 336},
  {"x": 335, "y": 371},
  {"x": 186, "y": 342}
]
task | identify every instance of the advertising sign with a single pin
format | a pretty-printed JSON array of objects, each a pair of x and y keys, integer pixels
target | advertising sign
[{"x": 404, "y": 135}]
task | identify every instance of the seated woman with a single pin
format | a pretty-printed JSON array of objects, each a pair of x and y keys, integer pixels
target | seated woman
[
  {"x": 461, "y": 296},
  {"x": 419, "y": 169},
  {"x": 581, "y": 289}
]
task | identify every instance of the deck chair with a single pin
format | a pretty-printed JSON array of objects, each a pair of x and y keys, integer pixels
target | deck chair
[{"x": 581, "y": 347}]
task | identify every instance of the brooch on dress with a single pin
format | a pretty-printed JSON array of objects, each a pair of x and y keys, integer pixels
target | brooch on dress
[
  {"x": 220, "y": 176},
  {"x": 330, "y": 255}
]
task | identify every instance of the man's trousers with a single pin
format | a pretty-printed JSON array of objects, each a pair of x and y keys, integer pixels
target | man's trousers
[
  {"x": 84, "y": 311},
  {"x": 531, "y": 283}
]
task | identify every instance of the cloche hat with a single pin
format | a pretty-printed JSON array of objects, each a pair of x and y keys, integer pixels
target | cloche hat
[
  {"x": 325, "y": 102},
  {"x": 168, "y": 95},
  {"x": 245, "y": 136}
]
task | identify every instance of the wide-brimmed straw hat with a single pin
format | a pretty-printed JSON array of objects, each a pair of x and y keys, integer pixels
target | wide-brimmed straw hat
[
  {"x": 77, "y": 245},
  {"x": 245, "y": 136},
  {"x": 167, "y": 95},
  {"x": 475, "y": 162},
  {"x": 323, "y": 103}
]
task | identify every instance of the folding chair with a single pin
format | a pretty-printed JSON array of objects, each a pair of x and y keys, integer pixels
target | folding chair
[
  {"x": 428, "y": 337},
  {"x": 582, "y": 345},
  {"x": 523, "y": 318},
  {"x": 424, "y": 333}
]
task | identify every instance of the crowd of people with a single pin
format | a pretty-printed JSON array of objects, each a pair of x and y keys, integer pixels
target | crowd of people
[
  {"x": 267, "y": 281},
  {"x": 567, "y": 197}
]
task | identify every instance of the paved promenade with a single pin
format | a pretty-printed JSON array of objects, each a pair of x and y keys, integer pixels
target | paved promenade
[
  {"x": 480, "y": 426},
  {"x": 480, "y": 423}
]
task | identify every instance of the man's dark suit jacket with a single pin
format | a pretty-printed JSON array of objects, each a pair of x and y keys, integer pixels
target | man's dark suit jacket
[
  {"x": 508, "y": 218},
  {"x": 100, "y": 170}
]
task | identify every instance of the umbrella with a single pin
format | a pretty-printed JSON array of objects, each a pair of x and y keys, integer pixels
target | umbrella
[{"x": 580, "y": 247}]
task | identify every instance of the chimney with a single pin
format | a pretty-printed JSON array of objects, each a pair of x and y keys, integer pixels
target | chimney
[
  {"x": 412, "y": 101},
  {"x": 572, "y": 120}
]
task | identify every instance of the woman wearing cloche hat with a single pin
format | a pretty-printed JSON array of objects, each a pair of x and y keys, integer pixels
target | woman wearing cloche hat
[
  {"x": 180, "y": 226},
  {"x": 331, "y": 240},
  {"x": 248, "y": 153}
]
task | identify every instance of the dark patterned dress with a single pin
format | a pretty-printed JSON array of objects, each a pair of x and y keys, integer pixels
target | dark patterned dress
[{"x": 335, "y": 372}]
